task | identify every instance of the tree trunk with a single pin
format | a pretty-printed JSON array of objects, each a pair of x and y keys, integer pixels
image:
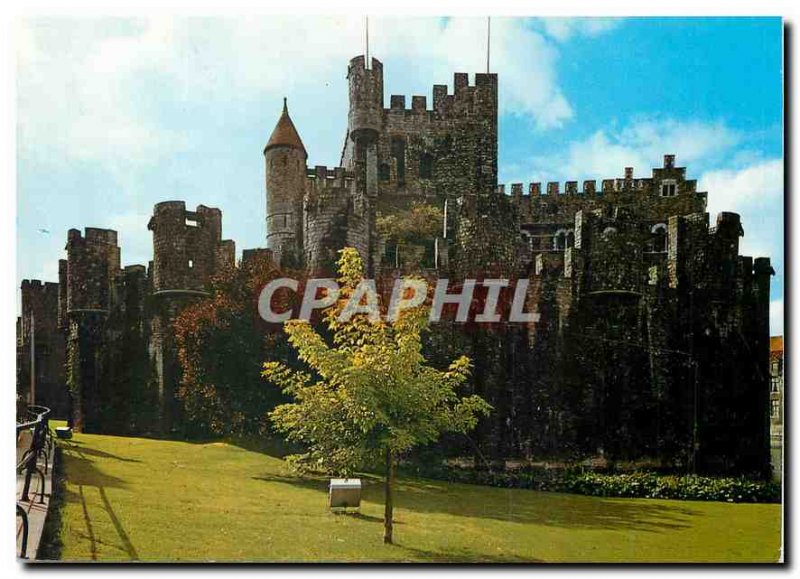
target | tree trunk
[{"x": 388, "y": 499}]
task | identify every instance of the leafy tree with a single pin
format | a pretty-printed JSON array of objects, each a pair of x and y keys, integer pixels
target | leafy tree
[
  {"x": 409, "y": 232},
  {"x": 221, "y": 346},
  {"x": 421, "y": 220},
  {"x": 371, "y": 397}
]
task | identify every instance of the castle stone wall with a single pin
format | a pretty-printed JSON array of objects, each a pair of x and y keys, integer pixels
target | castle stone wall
[{"x": 40, "y": 301}]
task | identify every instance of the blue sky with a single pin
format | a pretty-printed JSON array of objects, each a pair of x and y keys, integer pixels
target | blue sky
[{"x": 115, "y": 115}]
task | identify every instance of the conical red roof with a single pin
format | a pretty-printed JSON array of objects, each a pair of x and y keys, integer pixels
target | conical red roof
[{"x": 285, "y": 134}]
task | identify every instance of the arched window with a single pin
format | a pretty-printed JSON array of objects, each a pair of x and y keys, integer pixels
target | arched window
[
  {"x": 383, "y": 172},
  {"x": 425, "y": 166},
  {"x": 659, "y": 237}
]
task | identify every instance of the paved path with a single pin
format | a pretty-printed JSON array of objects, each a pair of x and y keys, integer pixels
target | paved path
[{"x": 35, "y": 509}]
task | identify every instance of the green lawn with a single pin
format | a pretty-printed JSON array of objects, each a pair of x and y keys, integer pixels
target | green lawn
[{"x": 154, "y": 500}]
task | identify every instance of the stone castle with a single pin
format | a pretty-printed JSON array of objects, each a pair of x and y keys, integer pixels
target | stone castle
[{"x": 653, "y": 339}]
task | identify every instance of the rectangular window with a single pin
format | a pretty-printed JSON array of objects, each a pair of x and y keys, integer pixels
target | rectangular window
[
  {"x": 191, "y": 222},
  {"x": 669, "y": 188},
  {"x": 425, "y": 166},
  {"x": 191, "y": 264},
  {"x": 398, "y": 151}
]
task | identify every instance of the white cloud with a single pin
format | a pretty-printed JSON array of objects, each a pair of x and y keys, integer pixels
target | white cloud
[
  {"x": 75, "y": 103},
  {"x": 756, "y": 193},
  {"x": 96, "y": 89},
  {"x": 563, "y": 29},
  {"x": 430, "y": 51},
  {"x": 758, "y": 185},
  {"x": 776, "y": 317},
  {"x": 641, "y": 145}
]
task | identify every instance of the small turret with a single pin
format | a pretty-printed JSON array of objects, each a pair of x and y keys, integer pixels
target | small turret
[
  {"x": 285, "y": 167},
  {"x": 285, "y": 134},
  {"x": 366, "y": 96}
]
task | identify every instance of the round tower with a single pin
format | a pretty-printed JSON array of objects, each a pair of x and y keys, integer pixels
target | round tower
[
  {"x": 366, "y": 96},
  {"x": 364, "y": 122},
  {"x": 285, "y": 166}
]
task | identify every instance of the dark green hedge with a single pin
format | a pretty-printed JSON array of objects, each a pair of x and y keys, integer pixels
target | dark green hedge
[
  {"x": 686, "y": 487},
  {"x": 636, "y": 484}
]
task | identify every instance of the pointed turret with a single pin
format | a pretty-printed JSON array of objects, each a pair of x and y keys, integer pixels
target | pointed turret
[
  {"x": 285, "y": 134},
  {"x": 285, "y": 158}
]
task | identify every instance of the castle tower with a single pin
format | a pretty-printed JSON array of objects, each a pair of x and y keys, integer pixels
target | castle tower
[
  {"x": 90, "y": 277},
  {"x": 285, "y": 169},
  {"x": 39, "y": 323},
  {"x": 188, "y": 251},
  {"x": 364, "y": 121},
  {"x": 365, "y": 85}
]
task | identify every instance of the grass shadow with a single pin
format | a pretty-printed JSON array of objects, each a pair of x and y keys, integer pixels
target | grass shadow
[
  {"x": 84, "y": 474},
  {"x": 82, "y": 469},
  {"x": 123, "y": 535},
  {"x": 89, "y": 451},
  {"x": 517, "y": 505}
]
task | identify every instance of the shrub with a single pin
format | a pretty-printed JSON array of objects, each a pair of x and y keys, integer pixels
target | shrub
[{"x": 637, "y": 484}]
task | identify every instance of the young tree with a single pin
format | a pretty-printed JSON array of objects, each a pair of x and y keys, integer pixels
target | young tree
[{"x": 371, "y": 396}]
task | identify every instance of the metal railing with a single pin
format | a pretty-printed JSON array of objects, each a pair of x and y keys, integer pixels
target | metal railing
[{"x": 40, "y": 447}]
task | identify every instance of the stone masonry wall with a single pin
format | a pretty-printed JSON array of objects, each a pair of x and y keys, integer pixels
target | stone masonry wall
[
  {"x": 41, "y": 300},
  {"x": 188, "y": 251}
]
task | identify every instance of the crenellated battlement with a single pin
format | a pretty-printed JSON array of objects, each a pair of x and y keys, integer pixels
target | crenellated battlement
[
  {"x": 92, "y": 267},
  {"x": 465, "y": 97},
  {"x": 323, "y": 176},
  {"x": 36, "y": 285},
  {"x": 551, "y": 189},
  {"x": 666, "y": 190},
  {"x": 92, "y": 235},
  {"x": 327, "y": 189},
  {"x": 397, "y": 104},
  {"x": 188, "y": 248}
]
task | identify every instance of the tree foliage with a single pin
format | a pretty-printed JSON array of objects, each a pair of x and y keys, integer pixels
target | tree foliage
[
  {"x": 419, "y": 221},
  {"x": 369, "y": 396},
  {"x": 221, "y": 345},
  {"x": 409, "y": 233}
]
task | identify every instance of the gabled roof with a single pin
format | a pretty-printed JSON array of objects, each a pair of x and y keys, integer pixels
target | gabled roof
[{"x": 285, "y": 134}]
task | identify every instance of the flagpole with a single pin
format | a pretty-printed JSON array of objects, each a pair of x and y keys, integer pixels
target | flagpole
[{"x": 488, "y": 41}]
